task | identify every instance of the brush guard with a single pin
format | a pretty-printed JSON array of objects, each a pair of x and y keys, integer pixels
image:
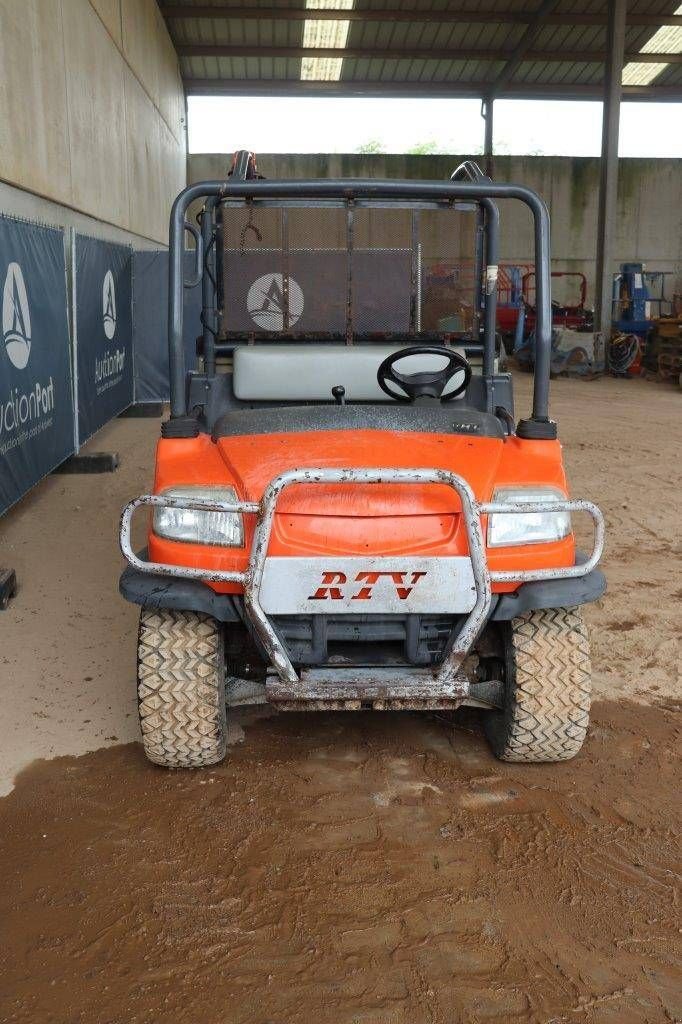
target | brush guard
[{"x": 374, "y": 685}]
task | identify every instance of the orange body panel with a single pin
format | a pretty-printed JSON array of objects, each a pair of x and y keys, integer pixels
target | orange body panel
[{"x": 353, "y": 519}]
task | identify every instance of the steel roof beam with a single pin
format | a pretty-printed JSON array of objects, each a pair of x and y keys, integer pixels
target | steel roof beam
[
  {"x": 466, "y": 90},
  {"x": 512, "y": 58},
  {"x": 522, "y": 49},
  {"x": 215, "y": 12},
  {"x": 607, "y": 219}
]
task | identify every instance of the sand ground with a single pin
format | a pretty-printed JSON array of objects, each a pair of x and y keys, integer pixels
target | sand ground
[{"x": 369, "y": 869}]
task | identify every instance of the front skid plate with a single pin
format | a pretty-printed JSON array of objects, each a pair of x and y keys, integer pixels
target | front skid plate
[
  {"x": 379, "y": 688},
  {"x": 408, "y": 704},
  {"x": 367, "y": 685}
]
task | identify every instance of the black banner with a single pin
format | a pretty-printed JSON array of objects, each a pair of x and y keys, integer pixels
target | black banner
[
  {"x": 36, "y": 398},
  {"x": 103, "y": 333},
  {"x": 150, "y": 323}
]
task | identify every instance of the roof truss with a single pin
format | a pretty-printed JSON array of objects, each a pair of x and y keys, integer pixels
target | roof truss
[
  {"x": 515, "y": 70},
  {"x": 452, "y": 15}
]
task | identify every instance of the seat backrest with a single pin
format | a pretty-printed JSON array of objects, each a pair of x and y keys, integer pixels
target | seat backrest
[{"x": 292, "y": 373}]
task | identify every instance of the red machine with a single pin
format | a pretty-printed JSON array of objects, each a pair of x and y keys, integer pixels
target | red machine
[
  {"x": 517, "y": 292},
  {"x": 575, "y": 316}
]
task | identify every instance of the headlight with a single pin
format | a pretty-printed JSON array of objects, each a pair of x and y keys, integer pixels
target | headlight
[
  {"x": 222, "y": 528},
  {"x": 506, "y": 528}
]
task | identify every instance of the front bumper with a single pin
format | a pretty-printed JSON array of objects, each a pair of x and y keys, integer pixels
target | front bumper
[
  {"x": 154, "y": 590},
  {"x": 558, "y": 587}
]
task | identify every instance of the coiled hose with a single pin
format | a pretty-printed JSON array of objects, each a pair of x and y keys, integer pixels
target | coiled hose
[{"x": 623, "y": 351}]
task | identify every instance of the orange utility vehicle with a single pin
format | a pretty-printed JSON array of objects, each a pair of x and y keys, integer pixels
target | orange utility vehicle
[{"x": 346, "y": 513}]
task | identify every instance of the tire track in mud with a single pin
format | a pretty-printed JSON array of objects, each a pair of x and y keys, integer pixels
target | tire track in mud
[
  {"x": 617, "y": 438},
  {"x": 349, "y": 869}
]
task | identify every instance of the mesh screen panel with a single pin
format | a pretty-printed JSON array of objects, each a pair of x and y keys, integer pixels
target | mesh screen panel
[
  {"x": 447, "y": 240},
  {"x": 329, "y": 270}
]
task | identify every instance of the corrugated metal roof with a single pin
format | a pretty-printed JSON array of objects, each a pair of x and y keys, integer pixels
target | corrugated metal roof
[{"x": 254, "y": 50}]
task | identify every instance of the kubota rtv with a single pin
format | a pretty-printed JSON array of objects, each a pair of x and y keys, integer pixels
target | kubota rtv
[{"x": 346, "y": 512}]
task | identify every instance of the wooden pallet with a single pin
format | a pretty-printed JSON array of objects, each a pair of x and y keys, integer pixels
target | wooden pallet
[{"x": 667, "y": 343}]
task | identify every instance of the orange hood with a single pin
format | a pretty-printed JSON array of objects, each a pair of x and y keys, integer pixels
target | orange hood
[
  {"x": 252, "y": 461},
  {"x": 343, "y": 511}
]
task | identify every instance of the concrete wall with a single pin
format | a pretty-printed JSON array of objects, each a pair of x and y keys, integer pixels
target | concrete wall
[
  {"x": 649, "y": 201},
  {"x": 92, "y": 115}
]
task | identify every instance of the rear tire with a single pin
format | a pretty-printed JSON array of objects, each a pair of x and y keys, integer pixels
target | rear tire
[
  {"x": 547, "y": 688},
  {"x": 181, "y": 688}
]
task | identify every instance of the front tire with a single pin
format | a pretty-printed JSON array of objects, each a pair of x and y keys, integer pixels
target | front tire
[
  {"x": 181, "y": 688},
  {"x": 547, "y": 688}
]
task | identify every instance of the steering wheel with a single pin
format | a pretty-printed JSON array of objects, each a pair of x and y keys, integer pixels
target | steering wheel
[{"x": 427, "y": 383}]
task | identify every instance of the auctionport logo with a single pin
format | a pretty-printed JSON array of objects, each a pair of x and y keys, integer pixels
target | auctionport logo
[
  {"x": 24, "y": 413},
  {"x": 109, "y": 369},
  {"x": 109, "y": 305},
  {"x": 16, "y": 318},
  {"x": 266, "y": 302}
]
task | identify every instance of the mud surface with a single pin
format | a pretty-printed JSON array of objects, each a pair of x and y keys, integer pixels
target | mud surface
[
  {"x": 621, "y": 449},
  {"x": 349, "y": 869},
  {"x": 378, "y": 869}
]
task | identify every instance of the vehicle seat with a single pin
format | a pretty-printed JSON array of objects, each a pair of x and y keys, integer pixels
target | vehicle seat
[{"x": 307, "y": 373}]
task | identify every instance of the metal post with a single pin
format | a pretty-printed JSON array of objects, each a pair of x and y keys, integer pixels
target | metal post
[
  {"x": 492, "y": 255},
  {"x": 208, "y": 291},
  {"x": 74, "y": 334},
  {"x": 608, "y": 185},
  {"x": 487, "y": 115},
  {"x": 488, "y": 231}
]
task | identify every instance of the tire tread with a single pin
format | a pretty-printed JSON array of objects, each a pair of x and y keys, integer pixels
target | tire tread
[
  {"x": 548, "y": 699},
  {"x": 181, "y": 688}
]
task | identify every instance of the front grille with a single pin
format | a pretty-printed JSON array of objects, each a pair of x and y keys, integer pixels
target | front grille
[{"x": 365, "y": 639}]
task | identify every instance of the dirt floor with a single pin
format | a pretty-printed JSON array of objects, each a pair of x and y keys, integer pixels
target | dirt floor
[
  {"x": 361, "y": 868},
  {"x": 368, "y": 869}
]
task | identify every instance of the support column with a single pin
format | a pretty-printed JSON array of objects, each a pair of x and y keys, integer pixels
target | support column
[
  {"x": 487, "y": 114},
  {"x": 608, "y": 184}
]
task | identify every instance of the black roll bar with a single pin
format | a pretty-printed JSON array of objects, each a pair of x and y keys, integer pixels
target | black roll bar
[
  {"x": 209, "y": 285},
  {"x": 198, "y": 255},
  {"x": 243, "y": 169},
  {"x": 348, "y": 189},
  {"x": 469, "y": 170}
]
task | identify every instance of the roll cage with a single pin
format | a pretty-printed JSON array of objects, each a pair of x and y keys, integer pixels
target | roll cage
[{"x": 243, "y": 187}]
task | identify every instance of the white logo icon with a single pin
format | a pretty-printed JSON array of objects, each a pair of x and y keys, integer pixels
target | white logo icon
[
  {"x": 266, "y": 305},
  {"x": 16, "y": 319},
  {"x": 109, "y": 305}
]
